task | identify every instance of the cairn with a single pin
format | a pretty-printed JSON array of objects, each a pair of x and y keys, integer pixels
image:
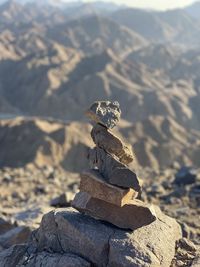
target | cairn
[{"x": 109, "y": 191}]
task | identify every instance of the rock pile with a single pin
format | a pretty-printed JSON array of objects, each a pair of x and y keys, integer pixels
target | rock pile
[{"x": 109, "y": 190}]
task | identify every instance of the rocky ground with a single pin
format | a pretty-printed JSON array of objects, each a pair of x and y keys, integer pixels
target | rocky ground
[{"x": 28, "y": 193}]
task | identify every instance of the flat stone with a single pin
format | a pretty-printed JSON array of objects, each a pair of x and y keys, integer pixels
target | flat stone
[
  {"x": 93, "y": 183},
  {"x": 67, "y": 231},
  {"x": 106, "y": 140},
  {"x": 113, "y": 171},
  {"x": 105, "y": 113},
  {"x": 131, "y": 216}
]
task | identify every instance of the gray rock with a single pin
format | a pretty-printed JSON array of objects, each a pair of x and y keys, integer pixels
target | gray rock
[
  {"x": 113, "y": 171},
  {"x": 196, "y": 261},
  {"x": 185, "y": 175},
  {"x": 68, "y": 231},
  {"x": 105, "y": 113},
  {"x": 11, "y": 257},
  {"x": 45, "y": 259},
  {"x": 17, "y": 235},
  {"x": 186, "y": 244},
  {"x": 151, "y": 245},
  {"x": 185, "y": 253}
]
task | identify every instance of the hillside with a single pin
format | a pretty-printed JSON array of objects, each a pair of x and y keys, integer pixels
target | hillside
[
  {"x": 169, "y": 26},
  {"x": 44, "y": 142},
  {"x": 56, "y": 59},
  {"x": 194, "y": 10},
  {"x": 55, "y": 64},
  {"x": 156, "y": 141}
]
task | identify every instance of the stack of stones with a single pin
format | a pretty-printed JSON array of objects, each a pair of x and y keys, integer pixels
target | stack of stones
[{"x": 110, "y": 190}]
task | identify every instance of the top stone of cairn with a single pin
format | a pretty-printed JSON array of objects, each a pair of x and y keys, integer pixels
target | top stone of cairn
[{"x": 105, "y": 113}]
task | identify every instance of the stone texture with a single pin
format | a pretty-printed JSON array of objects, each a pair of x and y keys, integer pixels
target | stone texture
[
  {"x": 100, "y": 244},
  {"x": 185, "y": 254},
  {"x": 11, "y": 257},
  {"x": 196, "y": 261},
  {"x": 105, "y": 113},
  {"x": 93, "y": 183},
  {"x": 113, "y": 171},
  {"x": 45, "y": 259},
  {"x": 68, "y": 231},
  {"x": 152, "y": 245},
  {"x": 17, "y": 235},
  {"x": 131, "y": 216},
  {"x": 106, "y": 140}
]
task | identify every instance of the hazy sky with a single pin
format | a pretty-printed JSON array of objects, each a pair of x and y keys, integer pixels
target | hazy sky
[{"x": 157, "y": 4}]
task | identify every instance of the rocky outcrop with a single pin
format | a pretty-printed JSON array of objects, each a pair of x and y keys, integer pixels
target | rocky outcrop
[{"x": 71, "y": 238}]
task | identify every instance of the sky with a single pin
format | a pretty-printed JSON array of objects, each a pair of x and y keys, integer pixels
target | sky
[
  {"x": 155, "y": 4},
  {"x": 152, "y": 4}
]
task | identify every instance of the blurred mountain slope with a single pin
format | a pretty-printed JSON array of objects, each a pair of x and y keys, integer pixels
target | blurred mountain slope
[{"x": 55, "y": 62}]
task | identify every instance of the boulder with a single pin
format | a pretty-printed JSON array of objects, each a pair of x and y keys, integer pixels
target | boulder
[
  {"x": 113, "y": 171},
  {"x": 94, "y": 184},
  {"x": 105, "y": 113},
  {"x": 68, "y": 237},
  {"x": 151, "y": 245},
  {"x": 71, "y": 232},
  {"x": 132, "y": 215},
  {"x": 185, "y": 175},
  {"x": 106, "y": 140}
]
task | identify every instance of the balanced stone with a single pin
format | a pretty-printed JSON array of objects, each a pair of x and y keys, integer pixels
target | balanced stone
[
  {"x": 133, "y": 215},
  {"x": 106, "y": 140},
  {"x": 113, "y": 171},
  {"x": 105, "y": 113},
  {"x": 93, "y": 183}
]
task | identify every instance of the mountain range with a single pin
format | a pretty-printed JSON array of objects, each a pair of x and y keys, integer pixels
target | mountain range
[{"x": 55, "y": 62}]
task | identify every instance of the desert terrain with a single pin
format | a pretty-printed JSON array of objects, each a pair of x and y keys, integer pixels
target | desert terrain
[{"x": 55, "y": 61}]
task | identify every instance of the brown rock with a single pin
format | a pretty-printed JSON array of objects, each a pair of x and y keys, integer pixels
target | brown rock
[
  {"x": 105, "y": 113},
  {"x": 113, "y": 171},
  {"x": 131, "y": 216},
  {"x": 106, "y": 140},
  {"x": 93, "y": 183}
]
